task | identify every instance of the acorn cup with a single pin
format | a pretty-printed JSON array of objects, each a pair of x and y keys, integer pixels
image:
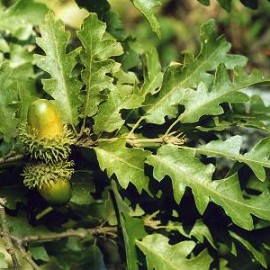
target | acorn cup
[
  {"x": 51, "y": 180},
  {"x": 45, "y": 137},
  {"x": 47, "y": 141}
]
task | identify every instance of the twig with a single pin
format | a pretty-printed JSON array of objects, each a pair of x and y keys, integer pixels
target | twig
[
  {"x": 8, "y": 159},
  {"x": 6, "y": 235},
  {"x": 136, "y": 125},
  {"x": 81, "y": 233}
]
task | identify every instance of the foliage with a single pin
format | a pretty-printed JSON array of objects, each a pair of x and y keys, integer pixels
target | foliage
[{"x": 171, "y": 163}]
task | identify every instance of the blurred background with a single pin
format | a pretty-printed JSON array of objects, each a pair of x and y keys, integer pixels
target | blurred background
[{"x": 180, "y": 21}]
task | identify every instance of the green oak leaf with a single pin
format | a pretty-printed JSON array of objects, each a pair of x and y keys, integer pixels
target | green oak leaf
[
  {"x": 206, "y": 100},
  {"x": 62, "y": 86},
  {"x": 126, "y": 163},
  {"x": 161, "y": 255},
  {"x": 257, "y": 158},
  {"x": 186, "y": 170},
  {"x": 98, "y": 49},
  {"x": 177, "y": 78}
]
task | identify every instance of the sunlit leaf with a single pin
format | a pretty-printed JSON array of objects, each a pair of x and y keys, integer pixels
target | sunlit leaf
[
  {"x": 62, "y": 86},
  {"x": 161, "y": 255}
]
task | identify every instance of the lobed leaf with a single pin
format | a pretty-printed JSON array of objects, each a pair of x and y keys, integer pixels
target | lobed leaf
[
  {"x": 62, "y": 86},
  {"x": 153, "y": 77},
  {"x": 206, "y": 100},
  {"x": 126, "y": 163},
  {"x": 257, "y": 158},
  {"x": 125, "y": 96},
  {"x": 128, "y": 95},
  {"x": 96, "y": 56},
  {"x": 177, "y": 79},
  {"x": 185, "y": 170},
  {"x": 161, "y": 255}
]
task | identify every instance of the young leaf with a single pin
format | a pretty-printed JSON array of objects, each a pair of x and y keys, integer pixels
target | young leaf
[
  {"x": 161, "y": 255},
  {"x": 127, "y": 164},
  {"x": 177, "y": 79},
  {"x": 62, "y": 86},
  {"x": 206, "y": 101},
  {"x": 98, "y": 48},
  {"x": 257, "y": 158},
  {"x": 146, "y": 8},
  {"x": 185, "y": 170}
]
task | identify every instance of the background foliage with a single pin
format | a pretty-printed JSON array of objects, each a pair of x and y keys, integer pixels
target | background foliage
[{"x": 172, "y": 133}]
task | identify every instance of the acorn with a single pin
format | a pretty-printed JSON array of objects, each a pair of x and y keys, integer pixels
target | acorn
[
  {"x": 51, "y": 180},
  {"x": 45, "y": 137}
]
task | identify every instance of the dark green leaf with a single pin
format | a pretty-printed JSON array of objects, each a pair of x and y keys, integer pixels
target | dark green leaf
[
  {"x": 206, "y": 101},
  {"x": 82, "y": 187}
]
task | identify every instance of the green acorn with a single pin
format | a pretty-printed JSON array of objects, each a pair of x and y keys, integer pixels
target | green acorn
[
  {"x": 56, "y": 192},
  {"x": 45, "y": 137},
  {"x": 51, "y": 180}
]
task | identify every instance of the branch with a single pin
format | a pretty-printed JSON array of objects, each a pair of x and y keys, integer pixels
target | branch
[
  {"x": 6, "y": 235},
  {"x": 174, "y": 137}
]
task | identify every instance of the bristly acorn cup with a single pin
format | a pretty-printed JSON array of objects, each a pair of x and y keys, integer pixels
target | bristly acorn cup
[
  {"x": 45, "y": 137},
  {"x": 47, "y": 141}
]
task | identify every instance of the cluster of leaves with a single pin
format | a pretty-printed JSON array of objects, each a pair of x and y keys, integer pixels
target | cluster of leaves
[{"x": 165, "y": 155}]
